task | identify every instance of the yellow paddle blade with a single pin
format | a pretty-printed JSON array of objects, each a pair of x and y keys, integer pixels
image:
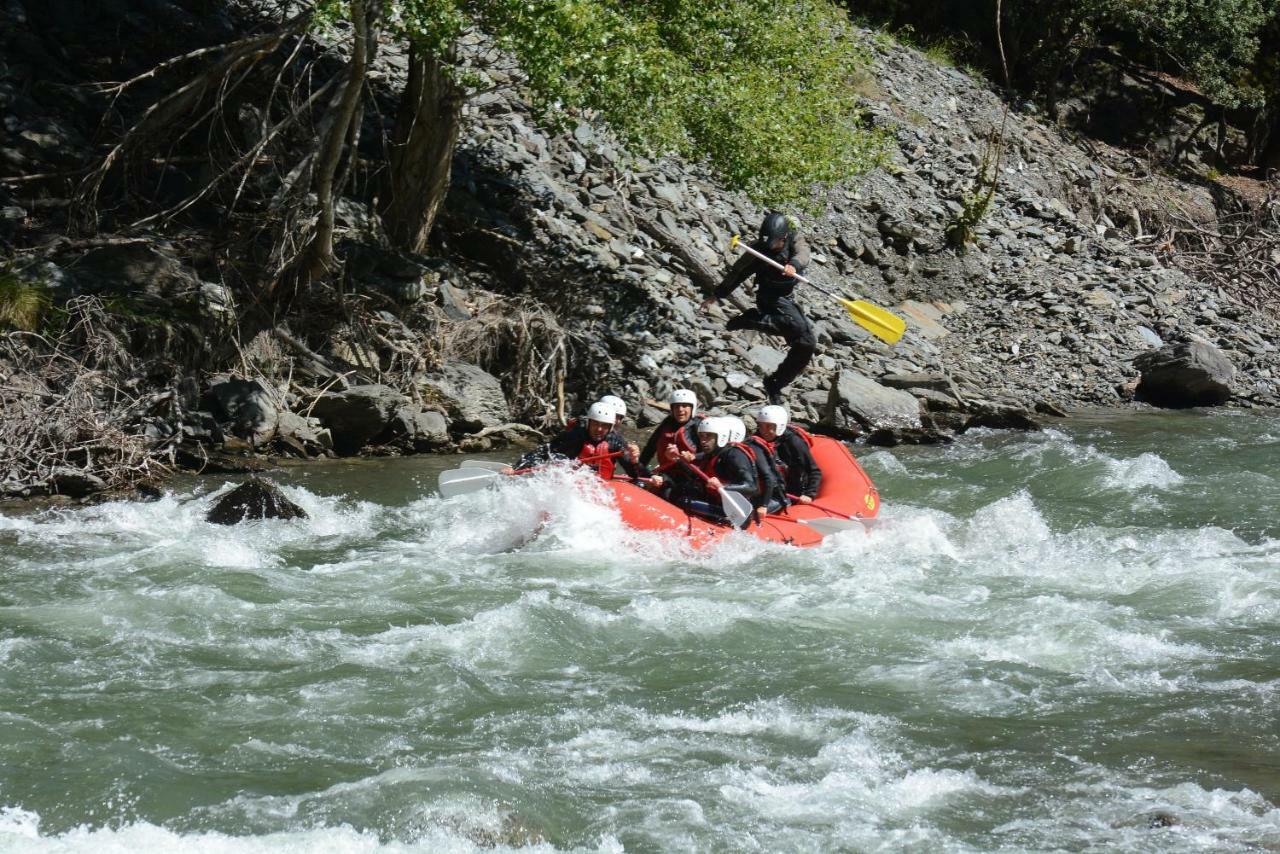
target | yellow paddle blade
[{"x": 885, "y": 325}]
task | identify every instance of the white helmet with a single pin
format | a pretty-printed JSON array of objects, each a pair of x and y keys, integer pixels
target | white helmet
[
  {"x": 720, "y": 427},
  {"x": 617, "y": 404},
  {"x": 776, "y": 415},
  {"x": 602, "y": 412},
  {"x": 684, "y": 395},
  {"x": 737, "y": 430}
]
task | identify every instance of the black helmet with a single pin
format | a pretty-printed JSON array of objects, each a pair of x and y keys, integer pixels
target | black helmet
[{"x": 775, "y": 226}]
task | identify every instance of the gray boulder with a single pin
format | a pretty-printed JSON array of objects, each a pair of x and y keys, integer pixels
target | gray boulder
[
  {"x": 1191, "y": 373},
  {"x": 358, "y": 414},
  {"x": 765, "y": 359},
  {"x": 73, "y": 482},
  {"x": 423, "y": 430},
  {"x": 243, "y": 408},
  {"x": 307, "y": 436},
  {"x": 253, "y": 499},
  {"x": 473, "y": 397},
  {"x": 862, "y": 400},
  {"x": 1001, "y": 418}
]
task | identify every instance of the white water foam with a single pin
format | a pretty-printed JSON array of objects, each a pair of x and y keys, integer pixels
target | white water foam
[
  {"x": 1147, "y": 470},
  {"x": 20, "y": 834}
]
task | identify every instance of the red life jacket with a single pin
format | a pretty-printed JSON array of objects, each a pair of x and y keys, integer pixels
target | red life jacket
[
  {"x": 800, "y": 431},
  {"x": 771, "y": 454},
  {"x": 594, "y": 456},
  {"x": 708, "y": 465},
  {"x": 679, "y": 436}
]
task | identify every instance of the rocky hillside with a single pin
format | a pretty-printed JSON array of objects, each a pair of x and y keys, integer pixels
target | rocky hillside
[
  {"x": 568, "y": 267},
  {"x": 1052, "y": 303}
]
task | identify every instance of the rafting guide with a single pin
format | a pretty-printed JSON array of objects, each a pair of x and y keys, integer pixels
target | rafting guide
[
  {"x": 776, "y": 312},
  {"x": 777, "y": 259}
]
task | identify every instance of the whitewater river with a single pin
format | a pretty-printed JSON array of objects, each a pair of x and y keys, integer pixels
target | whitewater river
[{"x": 1067, "y": 640}]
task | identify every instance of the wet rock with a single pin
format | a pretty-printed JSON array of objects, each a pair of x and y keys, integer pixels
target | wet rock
[
  {"x": 243, "y": 408},
  {"x": 253, "y": 499},
  {"x": 473, "y": 397},
  {"x": 1002, "y": 418},
  {"x": 74, "y": 483},
  {"x": 889, "y": 437},
  {"x": 1047, "y": 407},
  {"x": 357, "y": 415},
  {"x": 871, "y": 405},
  {"x": 1192, "y": 373}
]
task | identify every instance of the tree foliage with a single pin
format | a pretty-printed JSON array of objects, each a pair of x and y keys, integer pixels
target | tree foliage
[
  {"x": 1217, "y": 45},
  {"x": 760, "y": 93}
]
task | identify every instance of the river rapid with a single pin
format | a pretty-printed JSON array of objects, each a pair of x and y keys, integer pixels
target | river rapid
[{"x": 1067, "y": 640}]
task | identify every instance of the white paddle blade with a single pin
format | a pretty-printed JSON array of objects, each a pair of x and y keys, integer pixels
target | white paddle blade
[
  {"x": 736, "y": 507},
  {"x": 833, "y": 526},
  {"x": 491, "y": 465},
  {"x": 461, "y": 481}
]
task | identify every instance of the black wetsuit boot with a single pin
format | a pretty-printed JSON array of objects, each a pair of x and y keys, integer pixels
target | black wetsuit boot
[{"x": 781, "y": 317}]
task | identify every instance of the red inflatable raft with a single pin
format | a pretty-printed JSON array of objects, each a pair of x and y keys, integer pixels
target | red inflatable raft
[{"x": 846, "y": 493}]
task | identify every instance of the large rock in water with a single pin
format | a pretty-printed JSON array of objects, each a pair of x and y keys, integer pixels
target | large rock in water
[
  {"x": 253, "y": 499},
  {"x": 472, "y": 396},
  {"x": 358, "y": 414},
  {"x": 1192, "y": 373},
  {"x": 871, "y": 405}
]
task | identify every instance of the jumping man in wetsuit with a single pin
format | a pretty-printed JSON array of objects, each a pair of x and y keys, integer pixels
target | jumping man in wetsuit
[{"x": 775, "y": 312}]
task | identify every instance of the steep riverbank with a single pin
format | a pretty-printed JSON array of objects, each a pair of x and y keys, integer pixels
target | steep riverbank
[{"x": 567, "y": 267}]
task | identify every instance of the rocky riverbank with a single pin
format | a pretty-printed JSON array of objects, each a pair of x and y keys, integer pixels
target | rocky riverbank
[{"x": 568, "y": 267}]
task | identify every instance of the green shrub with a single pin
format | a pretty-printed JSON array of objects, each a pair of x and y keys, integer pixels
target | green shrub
[{"x": 22, "y": 303}]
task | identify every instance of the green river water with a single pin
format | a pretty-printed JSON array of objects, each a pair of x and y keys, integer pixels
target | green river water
[{"x": 1067, "y": 640}]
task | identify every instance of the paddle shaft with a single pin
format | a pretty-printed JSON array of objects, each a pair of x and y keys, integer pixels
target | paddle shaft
[
  {"x": 797, "y": 276},
  {"x": 727, "y": 497},
  {"x": 796, "y": 500},
  {"x": 594, "y": 459}
]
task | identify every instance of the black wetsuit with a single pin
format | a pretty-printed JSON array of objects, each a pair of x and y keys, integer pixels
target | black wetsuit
[
  {"x": 770, "y": 470},
  {"x": 665, "y": 433},
  {"x": 803, "y": 476},
  {"x": 746, "y": 474},
  {"x": 776, "y": 313},
  {"x": 568, "y": 445}
]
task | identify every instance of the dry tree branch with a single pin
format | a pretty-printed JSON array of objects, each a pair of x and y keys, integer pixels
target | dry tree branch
[
  {"x": 166, "y": 112},
  {"x": 522, "y": 342}
]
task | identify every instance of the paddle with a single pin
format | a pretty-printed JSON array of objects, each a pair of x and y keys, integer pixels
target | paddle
[
  {"x": 736, "y": 507},
  {"x": 461, "y": 481},
  {"x": 471, "y": 477},
  {"x": 491, "y": 465},
  {"x": 883, "y": 324},
  {"x": 857, "y": 521},
  {"x": 832, "y": 526}
]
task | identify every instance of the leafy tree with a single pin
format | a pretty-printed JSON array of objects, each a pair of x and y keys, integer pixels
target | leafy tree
[
  {"x": 761, "y": 94},
  {"x": 1227, "y": 48}
]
